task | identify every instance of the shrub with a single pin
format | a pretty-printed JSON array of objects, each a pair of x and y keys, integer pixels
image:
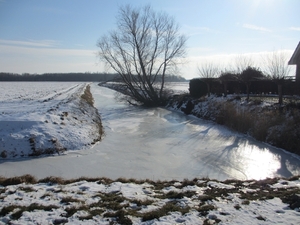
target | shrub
[
  {"x": 237, "y": 119},
  {"x": 197, "y": 88},
  {"x": 261, "y": 128},
  {"x": 3, "y": 154},
  {"x": 286, "y": 132}
]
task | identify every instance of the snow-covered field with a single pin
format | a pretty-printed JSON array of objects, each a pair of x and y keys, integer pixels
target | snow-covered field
[
  {"x": 44, "y": 117},
  {"x": 139, "y": 143},
  {"x": 102, "y": 201}
]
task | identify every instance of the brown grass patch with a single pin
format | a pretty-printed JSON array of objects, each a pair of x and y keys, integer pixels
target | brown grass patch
[
  {"x": 87, "y": 95},
  {"x": 28, "y": 179}
]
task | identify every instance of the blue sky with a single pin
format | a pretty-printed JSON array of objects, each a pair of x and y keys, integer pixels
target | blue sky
[{"x": 39, "y": 36}]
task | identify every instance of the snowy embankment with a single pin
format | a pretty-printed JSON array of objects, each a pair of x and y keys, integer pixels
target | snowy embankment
[
  {"x": 103, "y": 201},
  {"x": 260, "y": 117},
  {"x": 46, "y": 118}
]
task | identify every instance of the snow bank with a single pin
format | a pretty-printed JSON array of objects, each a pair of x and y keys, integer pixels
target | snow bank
[
  {"x": 45, "y": 118},
  {"x": 258, "y": 117}
]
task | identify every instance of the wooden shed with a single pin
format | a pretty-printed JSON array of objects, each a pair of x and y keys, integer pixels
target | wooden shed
[{"x": 295, "y": 60}]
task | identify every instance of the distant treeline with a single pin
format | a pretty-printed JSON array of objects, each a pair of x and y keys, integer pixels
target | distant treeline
[{"x": 84, "y": 77}]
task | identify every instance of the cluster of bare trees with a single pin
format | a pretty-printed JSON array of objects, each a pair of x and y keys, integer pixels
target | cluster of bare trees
[
  {"x": 244, "y": 70},
  {"x": 147, "y": 46}
]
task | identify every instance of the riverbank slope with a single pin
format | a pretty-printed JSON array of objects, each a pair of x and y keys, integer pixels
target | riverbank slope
[
  {"x": 47, "y": 118},
  {"x": 264, "y": 120}
]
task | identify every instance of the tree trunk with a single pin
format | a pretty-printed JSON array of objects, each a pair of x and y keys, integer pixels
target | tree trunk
[
  {"x": 225, "y": 89},
  {"x": 248, "y": 92},
  {"x": 208, "y": 89},
  {"x": 280, "y": 97}
]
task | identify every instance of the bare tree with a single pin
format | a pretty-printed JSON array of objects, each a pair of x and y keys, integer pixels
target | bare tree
[
  {"x": 208, "y": 72},
  {"x": 277, "y": 68},
  {"x": 145, "y": 47},
  {"x": 249, "y": 75},
  {"x": 247, "y": 72},
  {"x": 226, "y": 77},
  {"x": 242, "y": 62}
]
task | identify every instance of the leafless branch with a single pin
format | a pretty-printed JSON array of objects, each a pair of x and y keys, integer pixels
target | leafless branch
[{"x": 143, "y": 49}]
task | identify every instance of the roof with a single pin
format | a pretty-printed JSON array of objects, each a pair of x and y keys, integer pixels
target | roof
[{"x": 296, "y": 56}]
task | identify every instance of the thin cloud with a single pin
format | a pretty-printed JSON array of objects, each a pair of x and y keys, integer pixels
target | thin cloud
[
  {"x": 192, "y": 30},
  {"x": 198, "y": 28},
  {"x": 20, "y": 59},
  {"x": 295, "y": 28},
  {"x": 199, "y": 51},
  {"x": 254, "y": 27},
  {"x": 22, "y": 50},
  {"x": 30, "y": 43}
]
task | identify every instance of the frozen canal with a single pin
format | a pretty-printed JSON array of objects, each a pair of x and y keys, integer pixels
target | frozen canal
[{"x": 160, "y": 144}]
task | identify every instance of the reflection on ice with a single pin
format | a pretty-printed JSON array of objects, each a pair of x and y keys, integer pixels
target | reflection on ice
[
  {"x": 259, "y": 163},
  {"x": 159, "y": 144}
]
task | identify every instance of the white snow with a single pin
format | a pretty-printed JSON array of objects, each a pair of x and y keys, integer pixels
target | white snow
[
  {"x": 139, "y": 143},
  {"x": 85, "y": 197},
  {"x": 46, "y": 116}
]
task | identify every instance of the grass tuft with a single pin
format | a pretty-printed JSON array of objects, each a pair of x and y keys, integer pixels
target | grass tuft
[
  {"x": 70, "y": 211},
  {"x": 87, "y": 96},
  {"x": 52, "y": 180},
  {"x": 67, "y": 200},
  {"x": 20, "y": 209},
  {"x": 203, "y": 209},
  {"x": 120, "y": 217},
  {"x": 28, "y": 179},
  {"x": 165, "y": 210},
  {"x": 27, "y": 189}
]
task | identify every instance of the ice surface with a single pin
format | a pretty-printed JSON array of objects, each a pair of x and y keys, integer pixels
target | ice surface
[{"x": 157, "y": 143}]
